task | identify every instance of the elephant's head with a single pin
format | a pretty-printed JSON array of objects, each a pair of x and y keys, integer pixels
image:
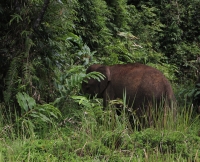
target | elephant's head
[{"x": 93, "y": 86}]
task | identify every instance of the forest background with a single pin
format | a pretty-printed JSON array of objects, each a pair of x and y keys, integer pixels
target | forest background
[{"x": 46, "y": 46}]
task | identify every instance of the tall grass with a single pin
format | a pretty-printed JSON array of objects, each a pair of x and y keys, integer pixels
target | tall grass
[{"x": 91, "y": 134}]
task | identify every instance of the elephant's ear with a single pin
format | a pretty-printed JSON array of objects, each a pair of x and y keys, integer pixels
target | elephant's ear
[{"x": 104, "y": 83}]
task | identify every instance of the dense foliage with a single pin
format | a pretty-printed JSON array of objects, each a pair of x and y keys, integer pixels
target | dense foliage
[
  {"x": 43, "y": 40},
  {"x": 46, "y": 45}
]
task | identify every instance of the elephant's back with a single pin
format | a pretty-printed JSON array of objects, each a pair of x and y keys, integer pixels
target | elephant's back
[
  {"x": 135, "y": 73},
  {"x": 140, "y": 80}
]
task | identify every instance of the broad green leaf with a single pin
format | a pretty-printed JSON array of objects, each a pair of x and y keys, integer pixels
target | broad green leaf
[{"x": 25, "y": 101}]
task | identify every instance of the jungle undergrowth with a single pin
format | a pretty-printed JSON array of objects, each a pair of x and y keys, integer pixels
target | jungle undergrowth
[{"x": 91, "y": 134}]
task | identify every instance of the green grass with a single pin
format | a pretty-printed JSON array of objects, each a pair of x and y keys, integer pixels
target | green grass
[{"x": 91, "y": 134}]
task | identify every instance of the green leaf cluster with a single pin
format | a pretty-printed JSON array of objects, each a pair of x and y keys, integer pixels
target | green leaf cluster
[{"x": 35, "y": 116}]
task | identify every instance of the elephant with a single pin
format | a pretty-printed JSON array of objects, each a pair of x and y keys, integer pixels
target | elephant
[{"x": 143, "y": 85}]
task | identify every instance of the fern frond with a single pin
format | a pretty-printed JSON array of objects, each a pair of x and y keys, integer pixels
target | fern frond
[
  {"x": 74, "y": 81},
  {"x": 94, "y": 75}
]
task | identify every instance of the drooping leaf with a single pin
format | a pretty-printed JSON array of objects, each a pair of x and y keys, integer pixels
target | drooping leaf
[{"x": 25, "y": 101}]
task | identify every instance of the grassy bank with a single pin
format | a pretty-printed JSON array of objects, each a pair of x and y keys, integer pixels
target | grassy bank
[{"x": 90, "y": 134}]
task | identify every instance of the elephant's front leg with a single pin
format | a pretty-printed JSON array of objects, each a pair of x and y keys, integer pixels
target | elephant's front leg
[
  {"x": 107, "y": 96},
  {"x": 106, "y": 100}
]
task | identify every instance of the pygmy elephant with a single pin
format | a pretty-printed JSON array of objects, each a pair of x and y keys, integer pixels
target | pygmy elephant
[{"x": 143, "y": 85}]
